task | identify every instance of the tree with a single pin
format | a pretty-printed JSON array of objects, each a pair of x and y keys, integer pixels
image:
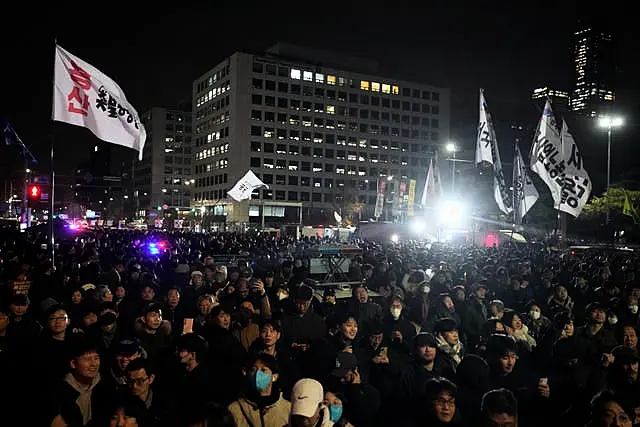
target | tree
[{"x": 611, "y": 200}]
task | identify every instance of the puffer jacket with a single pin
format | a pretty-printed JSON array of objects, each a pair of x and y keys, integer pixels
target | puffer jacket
[{"x": 247, "y": 414}]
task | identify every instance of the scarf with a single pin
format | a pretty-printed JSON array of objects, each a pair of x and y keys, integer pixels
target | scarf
[{"x": 455, "y": 351}]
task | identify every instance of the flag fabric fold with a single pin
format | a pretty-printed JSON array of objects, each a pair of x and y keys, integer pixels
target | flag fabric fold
[
  {"x": 429, "y": 193},
  {"x": 487, "y": 151},
  {"x": 525, "y": 193},
  {"x": 244, "y": 187},
  {"x": 12, "y": 138},
  {"x": 84, "y": 96},
  {"x": 556, "y": 159}
]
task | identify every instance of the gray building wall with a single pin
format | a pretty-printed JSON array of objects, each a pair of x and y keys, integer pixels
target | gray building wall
[
  {"x": 167, "y": 160},
  {"x": 403, "y": 129}
]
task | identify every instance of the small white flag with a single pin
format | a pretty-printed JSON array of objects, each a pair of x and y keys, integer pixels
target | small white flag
[
  {"x": 85, "y": 97},
  {"x": 430, "y": 191},
  {"x": 245, "y": 186},
  {"x": 526, "y": 193}
]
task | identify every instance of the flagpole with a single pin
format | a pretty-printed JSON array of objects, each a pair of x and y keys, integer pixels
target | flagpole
[{"x": 52, "y": 174}]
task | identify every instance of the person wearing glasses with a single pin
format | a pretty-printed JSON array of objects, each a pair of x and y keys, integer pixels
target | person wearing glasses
[
  {"x": 140, "y": 383},
  {"x": 440, "y": 404}
]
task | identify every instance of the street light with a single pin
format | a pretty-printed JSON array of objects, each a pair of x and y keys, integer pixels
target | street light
[
  {"x": 609, "y": 122},
  {"x": 451, "y": 148}
]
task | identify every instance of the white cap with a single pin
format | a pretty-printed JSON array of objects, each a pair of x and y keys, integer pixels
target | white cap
[{"x": 306, "y": 396}]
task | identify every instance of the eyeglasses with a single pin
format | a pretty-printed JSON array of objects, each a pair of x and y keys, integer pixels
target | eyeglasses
[
  {"x": 137, "y": 381},
  {"x": 445, "y": 402},
  {"x": 58, "y": 319}
]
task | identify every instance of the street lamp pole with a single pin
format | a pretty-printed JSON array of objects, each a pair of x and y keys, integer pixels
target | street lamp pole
[
  {"x": 609, "y": 123},
  {"x": 451, "y": 148}
]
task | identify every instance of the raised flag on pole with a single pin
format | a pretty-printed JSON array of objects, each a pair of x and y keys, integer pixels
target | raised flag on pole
[
  {"x": 546, "y": 154},
  {"x": 430, "y": 192},
  {"x": 245, "y": 186},
  {"x": 85, "y": 97},
  {"x": 576, "y": 184},
  {"x": 525, "y": 193},
  {"x": 556, "y": 159},
  {"x": 12, "y": 138},
  {"x": 487, "y": 151}
]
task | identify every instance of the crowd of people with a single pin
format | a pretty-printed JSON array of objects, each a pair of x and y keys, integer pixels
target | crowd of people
[{"x": 125, "y": 328}]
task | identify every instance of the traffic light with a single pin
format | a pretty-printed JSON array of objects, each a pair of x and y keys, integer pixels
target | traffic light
[
  {"x": 34, "y": 192},
  {"x": 35, "y": 195}
]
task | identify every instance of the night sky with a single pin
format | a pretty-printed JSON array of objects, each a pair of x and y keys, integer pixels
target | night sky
[{"x": 154, "y": 52}]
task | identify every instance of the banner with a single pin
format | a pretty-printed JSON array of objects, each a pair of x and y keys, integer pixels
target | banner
[
  {"x": 83, "y": 96},
  {"x": 576, "y": 184},
  {"x": 487, "y": 151},
  {"x": 244, "y": 187},
  {"x": 557, "y": 161},
  {"x": 412, "y": 197},
  {"x": 382, "y": 186},
  {"x": 525, "y": 193}
]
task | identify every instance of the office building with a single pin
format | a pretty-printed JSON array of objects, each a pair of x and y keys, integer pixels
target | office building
[
  {"x": 318, "y": 133},
  {"x": 559, "y": 99},
  {"x": 163, "y": 179},
  {"x": 593, "y": 56}
]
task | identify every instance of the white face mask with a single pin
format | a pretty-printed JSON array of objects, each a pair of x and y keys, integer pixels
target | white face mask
[
  {"x": 633, "y": 308},
  {"x": 395, "y": 313},
  {"x": 613, "y": 320},
  {"x": 426, "y": 289},
  {"x": 535, "y": 315}
]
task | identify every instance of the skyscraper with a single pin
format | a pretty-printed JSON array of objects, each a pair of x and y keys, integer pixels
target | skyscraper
[
  {"x": 559, "y": 98},
  {"x": 593, "y": 56}
]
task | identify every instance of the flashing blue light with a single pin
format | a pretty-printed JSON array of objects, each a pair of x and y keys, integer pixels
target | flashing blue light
[{"x": 153, "y": 249}]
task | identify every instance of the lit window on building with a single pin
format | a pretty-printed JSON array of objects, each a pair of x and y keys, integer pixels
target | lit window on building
[
  {"x": 375, "y": 87},
  {"x": 295, "y": 74},
  {"x": 331, "y": 109},
  {"x": 341, "y": 81},
  {"x": 386, "y": 88},
  {"x": 307, "y": 76},
  {"x": 319, "y": 78},
  {"x": 364, "y": 85},
  {"x": 331, "y": 80},
  {"x": 395, "y": 90}
]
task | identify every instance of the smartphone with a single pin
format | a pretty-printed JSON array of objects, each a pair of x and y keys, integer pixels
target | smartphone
[
  {"x": 187, "y": 326},
  {"x": 384, "y": 352},
  {"x": 543, "y": 381}
]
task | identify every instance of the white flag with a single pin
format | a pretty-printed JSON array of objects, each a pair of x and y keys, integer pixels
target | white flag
[
  {"x": 576, "y": 187},
  {"x": 245, "y": 186},
  {"x": 487, "y": 151},
  {"x": 429, "y": 193},
  {"x": 546, "y": 154},
  {"x": 85, "y": 97},
  {"x": 526, "y": 194}
]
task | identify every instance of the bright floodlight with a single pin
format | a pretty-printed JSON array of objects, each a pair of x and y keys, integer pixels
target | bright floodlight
[
  {"x": 418, "y": 226},
  {"x": 451, "y": 147},
  {"x": 390, "y": 177},
  {"x": 451, "y": 213},
  {"x": 610, "y": 122},
  {"x": 394, "y": 238}
]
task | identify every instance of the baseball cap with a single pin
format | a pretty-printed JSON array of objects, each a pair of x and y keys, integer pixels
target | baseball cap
[
  {"x": 306, "y": 396},
  {"x": 127, "y": 347},
  {"x": 345, "y": 362},
  {"x": 424, "y": 339},
  {"x": 20, "y": 300}
]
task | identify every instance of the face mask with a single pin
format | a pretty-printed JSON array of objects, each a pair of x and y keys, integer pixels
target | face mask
[
  {"x": 535, "y": 315},
  {"x": 281, "y": 296},
  {"x": 395, "y": 313},
  {"x": 613, "y": 320},
  {"x": 633, "y": 308},
  {"x": 426, "y": 289},
  {"x": 261, "y": 380},
  {"x": 335, "y": 413}
]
